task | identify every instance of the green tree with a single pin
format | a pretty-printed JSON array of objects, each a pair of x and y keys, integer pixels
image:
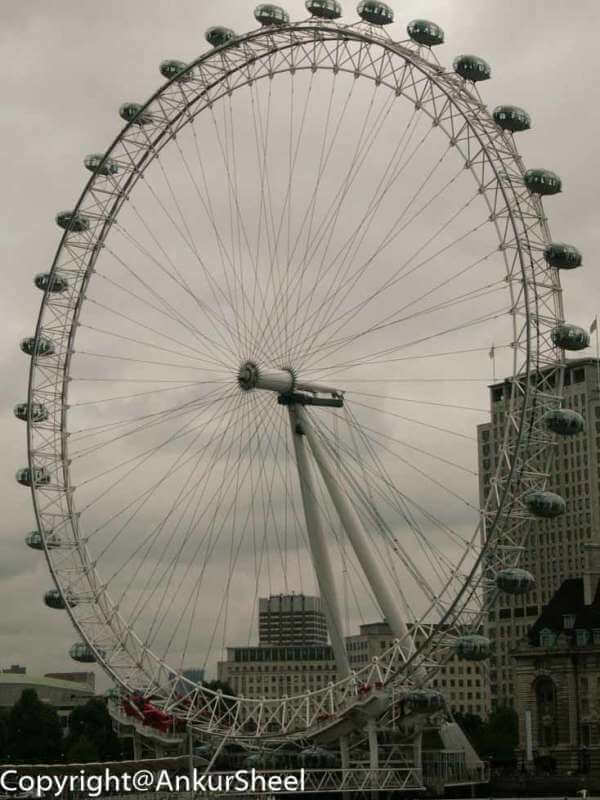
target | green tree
[
  {"x": 226, "y": 689},
  {"x": 500, "y": 735},
  {"x": 473, "y": 727},
  {"x": 34, "y": 732},
  {"x": 3, "y": 734},
  {"x": 81, "y": 751},
  {"x": 215, "y": 686},
  {"x": 92, "y": 724}
]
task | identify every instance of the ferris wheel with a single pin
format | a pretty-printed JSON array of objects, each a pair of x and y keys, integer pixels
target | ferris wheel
[{"x": 263, "y": 350}]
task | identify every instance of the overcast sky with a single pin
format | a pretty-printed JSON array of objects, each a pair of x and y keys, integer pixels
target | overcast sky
[{"x": 69, "y": 65}]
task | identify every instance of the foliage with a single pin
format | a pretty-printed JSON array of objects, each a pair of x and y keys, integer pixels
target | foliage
[
  {"x": 216, "y": 686},
  {"x": 81, "y": 751},
  {"x": 34, "y": 732},
  {"x": 91, "y": 729},
  {"x": 472, "y": 726},
  {"x": 495, "y": 739},
  {"x": 3, "y": 733}
]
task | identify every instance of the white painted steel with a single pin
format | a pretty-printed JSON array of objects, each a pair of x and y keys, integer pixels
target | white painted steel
[
  {"x": 359, "y": 541},
  {"x": 319, "y": 549}
]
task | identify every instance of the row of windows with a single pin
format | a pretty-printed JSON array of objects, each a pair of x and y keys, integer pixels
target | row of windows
[
  {"x": 279, "y": 668},
  {"x": 252, "y": 654}
]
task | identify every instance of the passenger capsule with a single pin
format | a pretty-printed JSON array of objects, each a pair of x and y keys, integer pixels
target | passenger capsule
[
  {"x": 562, "y": 256},
  {"x": 257, "y": 760},
  {"x": 54, "y": 284},
  {"x": 74, "y": 223},
  {"x": 268, "y": 14},
  {"x": 472, "y": 68},
  {"x": 101, "y": 164},
  {"x": 217, "y": 36},
  {"x": 316, "y": 756},
  {"x": 132, "y": 112},
  {"x": 53, "y": 599},
  {"x": 564, "y": 421},
  {"x": 325, "y": 9},
  {"x": 35, "y": 541},
  {"x": 426, "y": 701},
  {"x": 515, "y": 581},
  {"x": 473, "y": 647},
  {"x": 542, "y": 181},
  {"x": 83, "y": 653},
  {"x": 39, "y": 412},
  {"x": 424, "y": 32},
  {"x": 39, "y": 476},
  {"x": 546, "y": 505},
  {"x": 175, "y": 69},
  {"x": 570, "y": 337},
  {"x": 512, "y": 118},
  {"x": 40, "y": 346},
  {"x": 375, "y": 13}
]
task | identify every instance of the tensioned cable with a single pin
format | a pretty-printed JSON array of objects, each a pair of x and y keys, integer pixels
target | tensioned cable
[
  {"x": 325, "y": 152},
  {"x": 364, "y": 224},
  {"x": 192, "y": 246}
]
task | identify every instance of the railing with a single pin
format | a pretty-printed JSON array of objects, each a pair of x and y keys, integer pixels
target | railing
[
  {"x": 313, "y": 781},
  {"x": 166, "y": 737},
  {"x": 448, "y": 768}
]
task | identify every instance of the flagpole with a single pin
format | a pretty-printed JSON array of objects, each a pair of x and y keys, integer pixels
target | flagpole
[{"x": 492, "y": 355}]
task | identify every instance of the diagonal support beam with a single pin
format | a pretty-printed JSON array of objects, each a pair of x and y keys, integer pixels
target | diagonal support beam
[
  {"x": 318, "y": 546},
  {"x": 358, "y": 539}
]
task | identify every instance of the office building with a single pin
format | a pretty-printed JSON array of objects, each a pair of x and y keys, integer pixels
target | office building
[
  {"x": 554, "y": 549},
  {"x": 463, "y": 683},
  {"x": 287, "y": 619}
]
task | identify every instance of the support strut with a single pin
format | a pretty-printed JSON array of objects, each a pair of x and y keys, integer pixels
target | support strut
[
  {"x": 358, "y": 539},
  {"x": 318, "y": 546}
]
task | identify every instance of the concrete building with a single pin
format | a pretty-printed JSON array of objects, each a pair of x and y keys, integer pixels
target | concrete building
[
  {"x": 557, "y": 680},
  {"x": 292, "y": 656},
  {"x": 554, "y": 550},
  {"x": 277, "y": 671},
  {"x": 15, "y": 669},
  {"x": 86, "y": 678},
  {"x": 285, "y": 619},
  {"x": 63, "y": 695},
  {"x": 270, "y": 672},
  {"x": 463, "y": 683}
]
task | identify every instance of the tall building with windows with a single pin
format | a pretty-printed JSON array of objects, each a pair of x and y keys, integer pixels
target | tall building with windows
[
  {"x": 291, "y": 619},
  {"x": 555, "y": 547},
  {"x": 463, "y": 683}
]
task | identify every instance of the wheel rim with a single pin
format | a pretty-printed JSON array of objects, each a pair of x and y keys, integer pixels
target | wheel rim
[{"x": 497, "y": 167}]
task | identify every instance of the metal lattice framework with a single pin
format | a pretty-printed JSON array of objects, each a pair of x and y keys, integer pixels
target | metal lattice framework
[{"x": 517, "y": 217}]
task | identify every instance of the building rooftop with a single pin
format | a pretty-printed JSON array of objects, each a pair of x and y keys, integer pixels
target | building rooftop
[
  {"x": 568, "y": 600},
  {"x": 7, "y": 678}
]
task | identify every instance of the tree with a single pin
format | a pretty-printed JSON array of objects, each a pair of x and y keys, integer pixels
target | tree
[
  {"x": 3, "y": 734},
  {"x": 34, "y": 732},
  {"x": 472, "y": 726},
  {"x": 216, "y": 686},
  {"x": 81, "y": 751},
  {"x": 91, "y": 730},
  {"x": 501, "y": 735}
]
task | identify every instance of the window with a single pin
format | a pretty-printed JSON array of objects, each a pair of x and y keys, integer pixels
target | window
[
  {"x": 568, "y": 621},
  {"x": 582, "y": 637},
  {"x": 547, "y": 638}
]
